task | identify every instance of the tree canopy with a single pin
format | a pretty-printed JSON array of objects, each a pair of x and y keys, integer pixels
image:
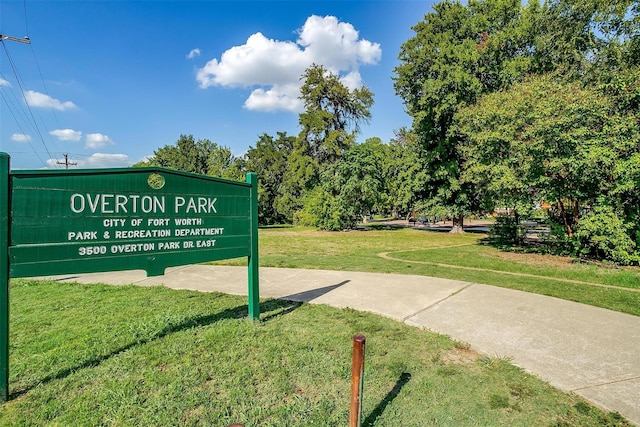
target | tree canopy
[
  {"x": 197, "y": 156},
  {"x": 513, "y": 105},
  {"x": 329, "y": 125},
  {"x": 459, "y": 53}
]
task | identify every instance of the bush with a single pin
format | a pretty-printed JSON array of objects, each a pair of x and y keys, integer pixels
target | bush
[
  {"x": 602, "y": 234},
  {"x": 506, "y": 231},
  {"x": 558, "y": 241},
  {"x": 325, "y": 211}
]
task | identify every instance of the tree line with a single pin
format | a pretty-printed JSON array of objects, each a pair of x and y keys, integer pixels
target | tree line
[{"x": 513, "y": 106}]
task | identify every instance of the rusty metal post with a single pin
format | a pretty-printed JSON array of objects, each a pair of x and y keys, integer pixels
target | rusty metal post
[{"x": 357, "y": 380}]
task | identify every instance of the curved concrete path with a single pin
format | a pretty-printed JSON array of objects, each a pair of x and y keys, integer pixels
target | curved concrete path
[{"x": 590, "y": 351}]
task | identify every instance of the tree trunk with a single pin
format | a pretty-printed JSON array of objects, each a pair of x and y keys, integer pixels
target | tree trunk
[
  {"x": 567, "y": 226},
  {"x": 458, "y": 222},
  {"x": 394, "y": 214}
]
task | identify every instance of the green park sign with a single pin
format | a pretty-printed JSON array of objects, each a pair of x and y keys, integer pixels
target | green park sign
[{"x": 82, "y": 221}]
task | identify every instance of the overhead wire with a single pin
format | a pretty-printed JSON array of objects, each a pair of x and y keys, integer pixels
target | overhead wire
[
  {"x": 30, "y": 118},
  {"x": 13, "y": 104},
  {"x": 44, "y": 84},
  {"x": 24, "y": 95},
  {"x": 28, "y": 140},
  {"x": 13, "y": 101},
  {"x": 46, "y": 91},
  {"x": 26, "y": 19}
]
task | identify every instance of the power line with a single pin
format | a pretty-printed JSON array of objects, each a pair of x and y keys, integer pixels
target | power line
[
  {"x": 26, "y": 40},
  {"x": 26, "y": 21},
  {"x": 35, "y": 60}
]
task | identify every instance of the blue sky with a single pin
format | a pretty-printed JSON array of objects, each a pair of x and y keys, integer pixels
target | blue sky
[{"x": 110, "y": 82}]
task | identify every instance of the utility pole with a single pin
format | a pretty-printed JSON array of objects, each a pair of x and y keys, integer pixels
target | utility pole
[
  {"x": 25, "y": 40},
  {"x": 66, "y": 162}
]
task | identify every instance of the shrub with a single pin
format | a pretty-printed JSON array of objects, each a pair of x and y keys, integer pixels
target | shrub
[
  {"x": 506, "y": 231},
  {"x": 325, "y": 211},
  {"x": 602, "y": 234}
]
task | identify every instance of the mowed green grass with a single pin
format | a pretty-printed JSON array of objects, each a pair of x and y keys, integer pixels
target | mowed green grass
[
  {"x": 451, "y": 256},
  {"x": 98, "y": 355}
]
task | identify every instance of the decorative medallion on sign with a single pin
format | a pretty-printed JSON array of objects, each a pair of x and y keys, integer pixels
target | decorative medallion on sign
[{"x": 155, "y": 181}]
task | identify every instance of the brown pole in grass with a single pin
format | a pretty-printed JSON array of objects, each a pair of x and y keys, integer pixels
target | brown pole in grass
[{"x": 357, "y": 380}]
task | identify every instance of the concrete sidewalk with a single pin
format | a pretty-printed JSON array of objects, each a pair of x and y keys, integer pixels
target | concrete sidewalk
[{"x": 590, "y": 351}]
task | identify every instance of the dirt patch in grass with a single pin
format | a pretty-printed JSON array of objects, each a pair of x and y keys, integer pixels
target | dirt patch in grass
[
  {"x": 460, "y": 356},
  {"x": 535, "y": 259}
]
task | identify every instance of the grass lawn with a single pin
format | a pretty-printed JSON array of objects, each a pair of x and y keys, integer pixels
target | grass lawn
[
  {"x": 451, "y": 256},
  {"x": 134, "y": 356}
]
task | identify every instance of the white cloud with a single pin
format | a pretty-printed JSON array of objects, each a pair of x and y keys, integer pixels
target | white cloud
[
  {"x": 97, "y": 140},
  {"x": 4, "y": 82},
  {"x": 67, "y": 134},
  {"x": 20, "y": 137},
  {"x": 37, "y": 99},
  {"x": 335, "y": 44},
  {"x": 276, "y": 66},
  {"x": 352, "y": 80},
  {"x": 277, "y": 98},
  {"x": 193, "y": 53},
  {"x": 97, "y": 160}
]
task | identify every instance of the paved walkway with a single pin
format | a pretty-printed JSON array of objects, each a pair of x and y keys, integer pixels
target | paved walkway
[{"x": 590, "y": 351}]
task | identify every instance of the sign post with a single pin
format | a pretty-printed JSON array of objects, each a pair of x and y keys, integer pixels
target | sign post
[
  {"x": 4, "y": 277},
  {"x": 83, "y": 221},
  {"x": 254, "y": 293}
]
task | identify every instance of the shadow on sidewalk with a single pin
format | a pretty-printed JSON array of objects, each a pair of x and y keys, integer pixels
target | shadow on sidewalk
[{"x": 312, "y": 294}]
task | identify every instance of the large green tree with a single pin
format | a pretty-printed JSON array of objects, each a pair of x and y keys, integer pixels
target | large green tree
[
  {"x": 197, "y": 156},
  {"x": 332, "y": 113},
  {"x": 459, "y": 53},
  {"x": 557, "y": 141},
  {"x": 329, "y": 125},
  {"x": 358, "y": 180},
  {"x": 269, "y": 159},
  {"x": 404, "y": 173}
]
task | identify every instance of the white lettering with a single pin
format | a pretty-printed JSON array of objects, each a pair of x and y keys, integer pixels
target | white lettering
[
  {"x": 115, "y": 203},
  {"x": 113, "y": 222},
  {"x": 135, "y": 247},
  {"x": 105, "y": 203},
  {"x": 135, "y": 198},
  {"x": 141, "y": 234},
  {"x": 187, "y": 221},
  {"x": 168, "y": 245},
  {"x": 92, "y": 250},
  {"x": 205, "y": 243},
  {"x": 77, "y": 203},
  {"x": 197, "y": 205},
  {"x": 121, "y": 203},
  {"x": 82, "y": 235},
  {"x": 191, "y": 205},
  {"x": 93, "y": 204},
  {"x": 179, "y": 203},
  {"x": 181, "y": 232}
]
